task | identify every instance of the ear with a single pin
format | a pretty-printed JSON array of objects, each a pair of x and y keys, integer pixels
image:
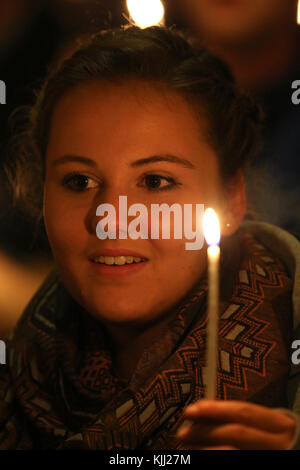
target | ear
[{"x": 234, "y": 206}]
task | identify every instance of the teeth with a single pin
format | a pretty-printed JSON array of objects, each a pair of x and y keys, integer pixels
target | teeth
[
  {"x": 120, "y": 260},
  {"x": 117, "y": 260}
]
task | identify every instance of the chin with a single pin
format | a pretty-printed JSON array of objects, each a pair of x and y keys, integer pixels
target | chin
[
  {"x": 117, "y": 314},
  {"x": 129, "y": 314}
]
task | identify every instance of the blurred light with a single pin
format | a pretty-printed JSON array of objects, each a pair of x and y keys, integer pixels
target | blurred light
[
  {"x": 211, "y": 227},
  {"x": 298, "y": 15},
  {"x": 146, "y": 13}
]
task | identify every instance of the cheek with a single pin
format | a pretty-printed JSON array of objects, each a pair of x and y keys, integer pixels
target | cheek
[
  {"x": 64, "y": 225},
  {"x": 179, "y": 266}
]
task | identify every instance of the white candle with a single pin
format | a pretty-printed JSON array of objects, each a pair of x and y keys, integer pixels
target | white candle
[{"x": 211, "y": 229}]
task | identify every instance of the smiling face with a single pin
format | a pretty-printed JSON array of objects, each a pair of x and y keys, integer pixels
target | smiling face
[{"x": 118, "y": 130}]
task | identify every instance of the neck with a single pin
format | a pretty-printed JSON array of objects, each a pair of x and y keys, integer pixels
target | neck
[
  {"x": 128, "y": 343},
  {"x": 259, "y": 64}
]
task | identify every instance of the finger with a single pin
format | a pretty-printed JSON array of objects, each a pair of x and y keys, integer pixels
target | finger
[
  {"x": 236, "y": 435},
  {"x": 193, "y": 447},
  {"x": 252, "y": 415},
  {"x": 218, "y": 448}
]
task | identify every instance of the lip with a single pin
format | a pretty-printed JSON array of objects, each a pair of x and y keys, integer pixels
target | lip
[
  {"x": 114, "y": 271},
  {"x": 115, "y": 252},
  {"x": 117, "y": 271}
]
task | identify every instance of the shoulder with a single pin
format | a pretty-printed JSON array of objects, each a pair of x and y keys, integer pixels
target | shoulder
[
  {"x": 42, "y": 310},
  {"x": 285, "y": 248}
]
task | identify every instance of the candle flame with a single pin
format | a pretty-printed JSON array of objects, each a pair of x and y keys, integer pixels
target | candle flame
[
  {"x": 211, "y": 227},
  {"x": 146, "y": 13}
]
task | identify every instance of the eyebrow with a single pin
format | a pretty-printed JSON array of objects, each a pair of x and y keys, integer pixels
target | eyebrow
[
  {"x": 137, "y": 163},
  {"x": 163, "y": 158},
  {"x": 74, "y": 158}
]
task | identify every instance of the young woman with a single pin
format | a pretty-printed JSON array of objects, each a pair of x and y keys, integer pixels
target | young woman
[{"x": 110, "y": 352}]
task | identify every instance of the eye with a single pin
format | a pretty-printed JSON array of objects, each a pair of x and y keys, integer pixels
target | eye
[
  {"x": 159, "y": 183},
  {"x": 78, "y": 182}
]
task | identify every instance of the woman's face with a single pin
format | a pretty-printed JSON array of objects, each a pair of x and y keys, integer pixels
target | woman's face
[{"x": 102, "y": 142}]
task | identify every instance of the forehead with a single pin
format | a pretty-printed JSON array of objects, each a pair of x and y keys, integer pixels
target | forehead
[{"x": 119, "y": 119}]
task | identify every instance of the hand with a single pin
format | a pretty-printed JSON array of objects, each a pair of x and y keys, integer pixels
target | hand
[{"x": 236, "y": 425}]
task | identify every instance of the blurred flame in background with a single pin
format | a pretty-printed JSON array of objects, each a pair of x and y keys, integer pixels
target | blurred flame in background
[
  {"x": 18, "y": 283},
  {"x": 298, "y": 15},
  {"x": 146, "y": 13}
]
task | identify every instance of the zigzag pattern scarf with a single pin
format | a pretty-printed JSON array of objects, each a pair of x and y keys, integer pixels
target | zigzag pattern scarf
[{"x": 59, "y": 390}]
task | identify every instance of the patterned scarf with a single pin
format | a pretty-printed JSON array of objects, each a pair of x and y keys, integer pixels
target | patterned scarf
[{"x": 59, "y": 389}]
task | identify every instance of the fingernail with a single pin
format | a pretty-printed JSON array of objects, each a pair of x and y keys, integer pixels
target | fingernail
[
  {"x": 184, "y": 428},
  {"x": 191, "y": 409}
]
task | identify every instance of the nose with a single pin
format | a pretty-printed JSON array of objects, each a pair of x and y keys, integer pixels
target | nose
[
  {"x": 108, "y": 216},
  {"x": 105, "y": 203},
  {"x": 112, "y": 222}
]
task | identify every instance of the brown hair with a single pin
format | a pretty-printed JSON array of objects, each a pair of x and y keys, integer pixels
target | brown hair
[{"x": 153, "y": 54}]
